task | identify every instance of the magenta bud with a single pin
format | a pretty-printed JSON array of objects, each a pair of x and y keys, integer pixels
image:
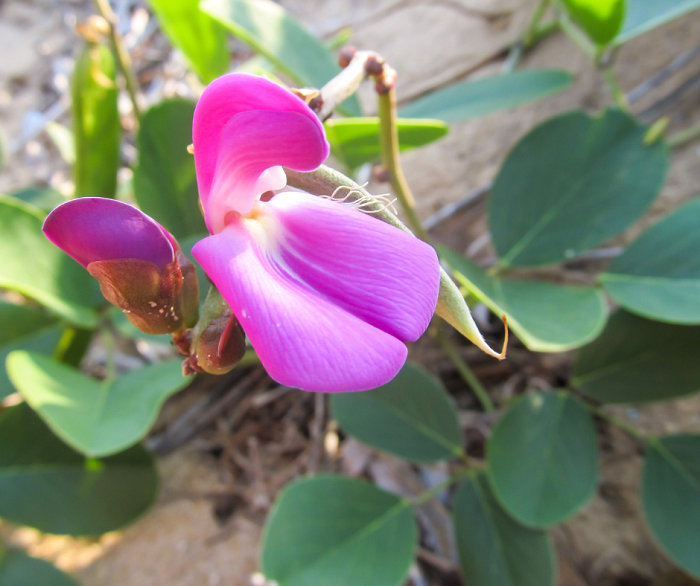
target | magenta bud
[
  {"x": 139, "y": 266},
  {"x": 218, "y": 341}
]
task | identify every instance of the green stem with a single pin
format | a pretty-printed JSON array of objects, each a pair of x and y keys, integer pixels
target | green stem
[
  {"x": 467, "y": 373},
  {"x": 619, "y": 423},
  {"x": 529, "y": 38},
  {"x": 389, "y": 137},
  {"x": 684, "y": 136},
  {"x": 123, "y": 58},
  {"x": 110, "y": 366},
  {"x": 615, "y": 89},
  {"x": 431, "y": 493},
  {"x": 578, "y": 37}
]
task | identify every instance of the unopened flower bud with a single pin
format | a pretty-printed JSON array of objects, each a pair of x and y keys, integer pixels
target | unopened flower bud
[
  {"x": 218, "y": 341},
  {"x": 139, "y": 266}
]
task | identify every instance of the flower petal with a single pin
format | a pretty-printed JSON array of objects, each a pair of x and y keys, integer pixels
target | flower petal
[
  {"x": 303, "y": 340},
  {"x": 382, "y": 275},
  {"x": 250, "y": 146},
  {"x": 96, "y": 228},
  {"x": 233, "y": 94}
]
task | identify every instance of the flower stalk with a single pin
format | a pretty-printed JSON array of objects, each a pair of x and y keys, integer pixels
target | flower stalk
[
  {"x": 389, "y": 138},
  {"x": 466, "y": 372},
  {"x": 122, "y": 55}
]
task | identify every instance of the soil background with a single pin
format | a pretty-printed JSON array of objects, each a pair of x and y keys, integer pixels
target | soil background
[{"x": 220, "y": 482}]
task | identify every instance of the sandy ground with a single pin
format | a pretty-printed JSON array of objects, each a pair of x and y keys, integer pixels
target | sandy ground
[{"x": 181, "y": 542}]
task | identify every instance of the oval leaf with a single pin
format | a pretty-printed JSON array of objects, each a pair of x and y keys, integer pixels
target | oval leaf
[
  {"x": 272, "y": 32},
  {"x": 97, "y": 128},
  {"x": 355, "y": 141},
  {"x": 637, "y": 360},
  {"x": 658, "y": 276},
  {"x": 201, "y": 39},
  {"x": 671, "y": 497},
  {"x": 412, "y": 417},
  {"x": 32, "y": 265},
  {"x": 337, "y": 530},
  {"x": 495, "y": 550},
  {"x": 572, "y": 183},
  {"x": 24, "y": 328},
  {"x": 95, "y": 418},
  {"x": 19, "y": 569},
  {"x": 645, "y": 15},
  {"x": 601, "y": 20},
  {"x": 543, "y": 458},
  {"x": 165, "y": 181},
  {"x": 46, "y": 485},
  {"x": 473, "y": 98},
  {"x": 546, "y": 317}
]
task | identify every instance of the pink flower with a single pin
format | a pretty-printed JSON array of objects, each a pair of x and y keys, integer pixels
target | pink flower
[{"x": 326, "y": 294}]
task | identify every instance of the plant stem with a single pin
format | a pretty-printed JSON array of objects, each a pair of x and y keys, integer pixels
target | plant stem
[
  {"x": 615, "y": 89},
  {"x": 467, "y": 373},
  {"x": 431, "y": 493},
  {"x": 684, "y": 136},
  {"x": 110, "y": 366},
  {"x": 577, "y": 37},
  {"x": 531, "y": 33},
  {"x": 343, "y": 85},
  {"x": 389, "y": 137},
  {"x": 123, "y": 58},
  {"x": 619, "y": 423},
  {"x": 529, "y": 38}
]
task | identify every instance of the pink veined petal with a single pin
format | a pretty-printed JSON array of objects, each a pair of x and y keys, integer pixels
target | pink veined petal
[
  {"x": 233, "y": 94},
  {"x": 96, "y": 228},
  {"x": 303, "y": 339},
  {"x": 384, "y": 276},
  {"x": 251, "y": 146}
]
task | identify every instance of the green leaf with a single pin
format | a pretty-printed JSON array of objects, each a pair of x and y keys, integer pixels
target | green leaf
[
  {"x": 272, "y": 32},
  {"x": 474, "y": 98},
  {"x": 165, "y": 181},
  {"x": 336, "y": 530},
  {"x": 637, "y": 360},
  {"x": 546, "y": 317},
  {"x": 24, "y": 328},
  {"x": 62, "y": 137},
  {"x": 671, "y": 497},
  {"x": 19, "y": 569},
  {"x": 46, "y": 485},
  {"x": 96, "y": 125},
  {"x": 44, "y": 198},
  {"x": 201, "y": 39},
  {"x": 95, "y": 418},
  {"x": 572, "y": 183},
  {"x": 601, "y": 20},
  {"x": 32, "y": 265},
  {"x": 658, "y": 276},
  {"x": 355, "y": 141},
  {"x": 412, "y": 417},
  {"x": 543, "y": 458},
  {"x": 645, "y": 15},
  {"x": 495, "y": 550}
]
